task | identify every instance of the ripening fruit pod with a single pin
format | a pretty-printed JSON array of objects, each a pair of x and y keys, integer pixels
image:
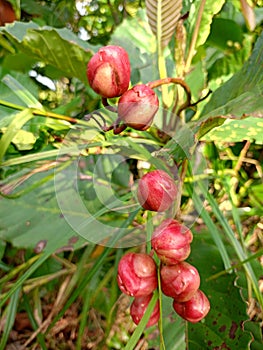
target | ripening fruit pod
[
  {"x": 138, "y": 308},
  {"x": 138, "y": 106},
  {"x": 137, "y": 274},
  {"x": 171, "y": 241},
  {"x": 156, "y": 191},
  {"x": 7, "y": 13},
  {"x": 180, "y": 281},
  {"x": 195, "y": 309},
  {"x": 108, "y": 71}
]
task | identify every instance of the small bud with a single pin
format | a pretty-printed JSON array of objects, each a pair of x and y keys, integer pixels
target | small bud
[
  {"x": 138, "y": 308},
  {"x": 171, "y": 241},
  {"x": 137, "y": 274},
  {"x": 137, "y": 107},
  {"x": 156, "y": 191},
  {"x": 179, "y": 281},
  {"x": 195, "y": 309},
  {"x": 108, "y": 71}
]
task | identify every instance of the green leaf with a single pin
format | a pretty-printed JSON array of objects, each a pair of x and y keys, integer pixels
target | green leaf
[
  {"x": 23, "y": 140},
  {"x": 35, "y": 221},
  {"x": 223, "y": 326},
  {"x": 17, "y": 123},
  {"x": 225, "y": 33},
  {"x": 11, "y": 311},
  {"x": 242, "y": 94},
  {"x": 57, "y": 47},
  {"x": 211, "y": 8},
  {"x": 163, "y": 16},
  {"x": 250, "y": 129},
  {"x": 24, "y": 95}
]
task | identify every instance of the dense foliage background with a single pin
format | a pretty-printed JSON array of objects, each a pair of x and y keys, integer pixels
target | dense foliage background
[{"x": 58, "y": 272}]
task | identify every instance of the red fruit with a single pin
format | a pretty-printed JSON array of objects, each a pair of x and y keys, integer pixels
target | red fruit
[
  {"x": 137, "y": 274},
  {"x": 7, "y": 13},
  {"x": 180, "y": 281},
  {"x": 171, "y": 241},
  {"x": 138, "y": 308},
  {"x": 195, "y": 309},
  {"x": 156, "y": 191},
  {"x": 137, "y": 107},
  {"x": 108, "y": 71}
]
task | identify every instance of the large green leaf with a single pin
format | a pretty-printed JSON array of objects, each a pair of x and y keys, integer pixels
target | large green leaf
[
  {"x": 35, "y": 221},
  {"x": 163, "y": 16},
  {"x": 223, "y": 326},
  {"x": 242, "y": 94},
  {"x": 237, "y": 130},
  {"x": 58, "y": 47}
]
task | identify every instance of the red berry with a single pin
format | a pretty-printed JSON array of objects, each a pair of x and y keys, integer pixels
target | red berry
[
  {"x": 156, "y": 191},
  {"x": 171, "y": 241},
  {"x": 195, "y": 309},
  {"x": 108, "y": 71},
  {"x": 179, "y": 281},
  {"x": 137, "y": 274},
  {"x": 138, "y": 308},
  {"x": 137, "y": 107}
]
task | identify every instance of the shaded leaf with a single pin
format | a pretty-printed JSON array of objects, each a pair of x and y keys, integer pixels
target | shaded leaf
[
  {"x": 163, "y": 16},
  {"x": 223, "y": 326},
  {"x": 242, "y": 94}
]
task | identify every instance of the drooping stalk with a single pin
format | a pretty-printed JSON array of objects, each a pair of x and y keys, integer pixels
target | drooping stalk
[{"x": 191, "y": 52}]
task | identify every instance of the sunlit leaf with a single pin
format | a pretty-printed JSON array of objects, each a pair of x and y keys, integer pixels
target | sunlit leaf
[
  {"x": 250, "y": 129},
  {"x": 211, "y": 8}
]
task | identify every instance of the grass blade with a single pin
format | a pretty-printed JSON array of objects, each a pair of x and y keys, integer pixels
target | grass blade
[
  {"x": 141, "y": 326},
  {"x": 11, "y": 310},
  {"x": 236, "y": 245},
  {"x": 17, "y": 123},
  {"x": 212, "y": 229}
]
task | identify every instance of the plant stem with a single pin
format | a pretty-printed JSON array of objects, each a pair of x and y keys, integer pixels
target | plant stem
[
  {"x": 43, "y": 113},
  {"x": 149, "y": 230},
  {"x": 160, "y": 324},
  {"x": 181, "y": 82},
  {"x": 191, "y": 52}
]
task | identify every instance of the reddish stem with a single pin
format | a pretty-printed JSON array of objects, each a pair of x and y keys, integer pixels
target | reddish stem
[{"x": 178, "y": 81}]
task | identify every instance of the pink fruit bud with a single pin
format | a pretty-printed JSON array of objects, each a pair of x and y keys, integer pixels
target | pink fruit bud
[
  {"x": 195, "y": 309},
  {"x": 156, "y": 191},
  {"x": 137, "y": 107},
  {"x": 179, "y": 281},
  {"x": 171, "y": 241},
  {"x": 137, "y": 274},
  {"x": 108, "y": 71},
  {"x": 138, "y": 308}
]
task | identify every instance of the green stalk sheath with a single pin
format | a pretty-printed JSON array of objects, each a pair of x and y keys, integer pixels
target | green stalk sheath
[{"x": 161, "y": 59}]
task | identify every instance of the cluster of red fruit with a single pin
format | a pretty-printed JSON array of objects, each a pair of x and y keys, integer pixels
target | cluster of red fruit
[
  {"x": 137, "y": 272},
  {"x": 108, "y": 73}
]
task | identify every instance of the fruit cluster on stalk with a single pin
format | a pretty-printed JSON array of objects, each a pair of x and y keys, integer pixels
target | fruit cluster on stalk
[{"x": 108, "y": 73}]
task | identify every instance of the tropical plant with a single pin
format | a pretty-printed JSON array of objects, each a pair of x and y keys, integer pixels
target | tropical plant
[{"x": 69, "y": 180}]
